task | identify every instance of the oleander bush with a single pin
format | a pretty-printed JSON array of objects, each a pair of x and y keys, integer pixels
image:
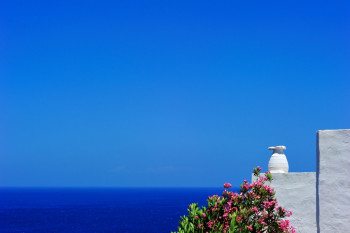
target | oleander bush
[{"x": 253, "y": 209}]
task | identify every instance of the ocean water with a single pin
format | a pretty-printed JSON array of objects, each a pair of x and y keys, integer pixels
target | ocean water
[{"x": 125, "y": 210}]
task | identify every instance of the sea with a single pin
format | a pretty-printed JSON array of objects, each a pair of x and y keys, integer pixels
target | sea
[{"x": 124, "y": 210}]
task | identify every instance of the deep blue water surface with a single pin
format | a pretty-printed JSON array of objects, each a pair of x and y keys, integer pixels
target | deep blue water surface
[{"x": 126, "y": 210}]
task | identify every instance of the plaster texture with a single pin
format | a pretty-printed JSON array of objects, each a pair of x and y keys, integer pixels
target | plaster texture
[
  {"x": 297, "y": 192},
  {"x": 333, "y": 183}
]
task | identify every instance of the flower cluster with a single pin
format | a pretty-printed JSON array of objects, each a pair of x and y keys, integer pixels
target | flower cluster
[{"x": 253, "y": 209}]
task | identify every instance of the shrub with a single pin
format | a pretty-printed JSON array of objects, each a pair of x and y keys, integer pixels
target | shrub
[{"x": 253, "y": 209}]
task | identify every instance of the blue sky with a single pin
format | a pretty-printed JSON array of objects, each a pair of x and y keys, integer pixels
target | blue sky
[{"x": 167, "y": 93}]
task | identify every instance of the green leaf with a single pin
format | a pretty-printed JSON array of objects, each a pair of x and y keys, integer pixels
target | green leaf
[{"x": 269, "y": 177}]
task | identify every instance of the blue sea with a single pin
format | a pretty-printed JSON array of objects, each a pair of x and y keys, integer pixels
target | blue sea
[{"x": 125, "y": 210}]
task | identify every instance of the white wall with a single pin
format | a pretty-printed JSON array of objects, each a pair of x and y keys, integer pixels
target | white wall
[
  {"x": 320, "y": 201},
  {"x": 297, "y": 192},
  {"x": 333, "y": 172}
]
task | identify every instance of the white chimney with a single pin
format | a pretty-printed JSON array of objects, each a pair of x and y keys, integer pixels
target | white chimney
[{"x": 278, "y": 162}]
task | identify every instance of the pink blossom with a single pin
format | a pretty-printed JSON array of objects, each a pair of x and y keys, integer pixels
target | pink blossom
[{"x": 254, "y": 207}]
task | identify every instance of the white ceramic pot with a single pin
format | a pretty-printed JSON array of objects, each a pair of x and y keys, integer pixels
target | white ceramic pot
[{"x": 278, "y": 162}]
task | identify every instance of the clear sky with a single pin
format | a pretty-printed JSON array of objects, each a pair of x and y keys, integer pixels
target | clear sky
[{"x": 167, "y": 93}]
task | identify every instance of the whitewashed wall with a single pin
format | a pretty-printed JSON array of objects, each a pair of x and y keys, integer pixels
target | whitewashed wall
[
  {"x": 333, "y": 172},
  {"x": 297, "y": 192},
  {"x": 320, "y": 201}
]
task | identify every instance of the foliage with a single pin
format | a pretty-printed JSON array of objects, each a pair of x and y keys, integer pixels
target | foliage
[{"x": 253, "y": 209}]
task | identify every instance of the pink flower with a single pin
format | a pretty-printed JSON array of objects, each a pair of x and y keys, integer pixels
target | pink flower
[{"x": 255, "y": 201}]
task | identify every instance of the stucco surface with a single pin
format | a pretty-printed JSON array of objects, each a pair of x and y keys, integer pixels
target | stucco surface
[
  {"x": 333, "y": 165},
  {"x": 297, "y": 192}
]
